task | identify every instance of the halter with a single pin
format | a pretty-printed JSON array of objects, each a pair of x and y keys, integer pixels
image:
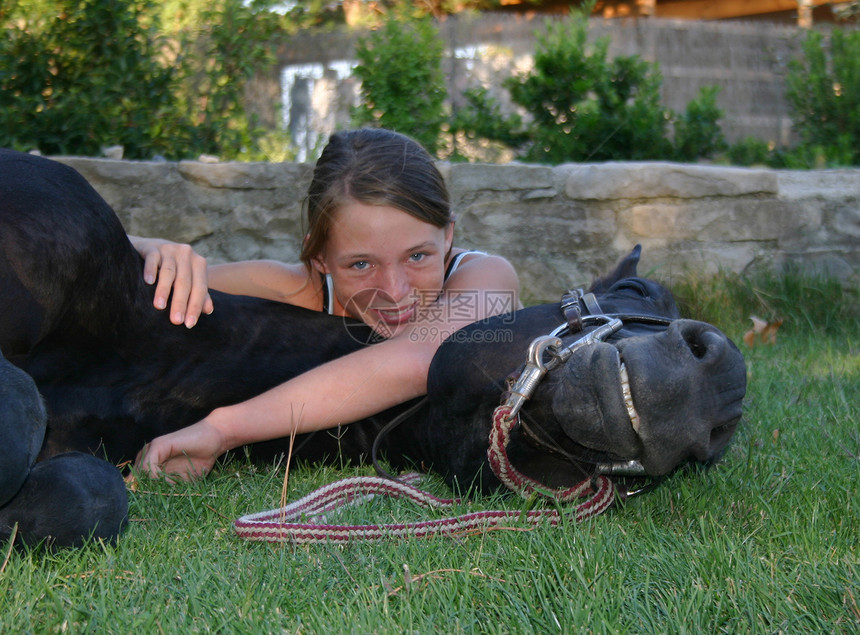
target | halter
[
  {"x": 305, "y": 520},
  {"x": 506, "y": 416}
]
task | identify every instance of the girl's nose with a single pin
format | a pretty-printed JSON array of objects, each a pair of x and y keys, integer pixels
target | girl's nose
[{"x": 394, "y": 284}]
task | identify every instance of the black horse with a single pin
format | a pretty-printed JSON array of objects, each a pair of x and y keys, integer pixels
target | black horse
[{"x": 78, "y": 321}]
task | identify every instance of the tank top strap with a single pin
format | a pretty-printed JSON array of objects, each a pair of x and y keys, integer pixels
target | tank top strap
[
  {"x": 328, "y": 294},
  {"x": 455, "y": 261}
]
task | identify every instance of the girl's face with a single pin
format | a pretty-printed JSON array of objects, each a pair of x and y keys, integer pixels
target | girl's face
[{"x": 385, "y": 264}]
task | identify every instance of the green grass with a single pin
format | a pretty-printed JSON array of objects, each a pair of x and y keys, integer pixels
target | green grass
[{"x": 764, "y": 542}]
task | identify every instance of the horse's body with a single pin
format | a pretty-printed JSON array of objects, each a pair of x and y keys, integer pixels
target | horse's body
[{"x": 114, "y": 373}]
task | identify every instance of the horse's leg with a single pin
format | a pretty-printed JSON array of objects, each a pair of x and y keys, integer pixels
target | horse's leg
[
  {"x": 66, "y": 500},
  {"x": 22, "y": 428}
]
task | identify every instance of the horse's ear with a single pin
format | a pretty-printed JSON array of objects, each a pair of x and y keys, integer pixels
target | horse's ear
[{"x": 625, "y": 269}]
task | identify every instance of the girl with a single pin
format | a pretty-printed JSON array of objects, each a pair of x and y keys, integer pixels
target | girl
[{"x": 379, "y": 249}]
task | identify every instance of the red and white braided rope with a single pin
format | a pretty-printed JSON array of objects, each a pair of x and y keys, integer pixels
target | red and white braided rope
[
  {"x": 304, "y": 521},
  {"x": 599, "y": 489}
]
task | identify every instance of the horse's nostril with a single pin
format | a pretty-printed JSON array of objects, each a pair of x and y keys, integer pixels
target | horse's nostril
[{"x": 700, "y": 339}]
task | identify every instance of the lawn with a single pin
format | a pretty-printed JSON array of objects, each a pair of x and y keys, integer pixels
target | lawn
[{"x": 764, "y": 542}]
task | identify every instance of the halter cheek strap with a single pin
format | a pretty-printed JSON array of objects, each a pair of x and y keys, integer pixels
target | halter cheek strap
[{"x": 571, "y": 307}]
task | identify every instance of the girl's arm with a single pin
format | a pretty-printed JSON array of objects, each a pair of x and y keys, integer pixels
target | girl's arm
[
  {"x": 340, "y": 391},
  {"x": 177, "y": 268},
  {"x": 347, "y": 389},
  {"x": 269, "y": 279}
]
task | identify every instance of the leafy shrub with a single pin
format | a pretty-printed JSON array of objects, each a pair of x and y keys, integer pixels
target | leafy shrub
[
  {"x": 749, "y": 151},
  {"x": 697, "y": 133},
  {"x": 223, "y": 45},
  {"x": 585, "y": 107},
  {"x": 83, "y": 77},
  {"x": 582, "y": 106},
  {"x": 823, "y": 90},
  {"x": 482, "y": 118},
  {"x": 402, "y": 83},
  {"x": 77, "y": 75}
]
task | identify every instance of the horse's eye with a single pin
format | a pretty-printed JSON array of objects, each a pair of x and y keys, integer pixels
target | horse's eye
[{"x": 632, "y": 285}]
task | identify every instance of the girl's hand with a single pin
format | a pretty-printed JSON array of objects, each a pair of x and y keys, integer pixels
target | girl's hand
[
  {"x": 186, "y": 454},
  {"x": 178, "y": 268}
]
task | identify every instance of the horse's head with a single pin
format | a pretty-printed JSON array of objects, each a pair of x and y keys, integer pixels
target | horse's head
[
  {"x": 630, "y": 384},
  {"x": 658, "y": 391}
]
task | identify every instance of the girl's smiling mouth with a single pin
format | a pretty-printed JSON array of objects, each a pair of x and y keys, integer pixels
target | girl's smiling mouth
[{"x": 396, "y": 316}]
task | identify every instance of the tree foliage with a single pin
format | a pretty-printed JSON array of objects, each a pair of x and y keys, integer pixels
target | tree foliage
[
  {"x": 223, "y": 43},
  {"x": 586, "y": 107},
  {"x": 81, "y": 74},
  {"x": 78, "y": 75},
  {"x": 823, "y": 90},
  {"x": 373, "y": 13},
  {"x": 580, "y": 105},
  {"x": 402, "y": 83},
  {"x": 697, "y": 131},
  {"x": 167, "y": 77}
]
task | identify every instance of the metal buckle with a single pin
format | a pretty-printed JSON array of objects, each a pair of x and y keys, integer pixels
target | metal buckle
[{"x": 535, "y": 367}]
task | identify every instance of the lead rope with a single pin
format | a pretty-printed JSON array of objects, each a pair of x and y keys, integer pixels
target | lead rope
[
  {"x": 598, "y": 491},
  {"x": 305, "y": 520}
]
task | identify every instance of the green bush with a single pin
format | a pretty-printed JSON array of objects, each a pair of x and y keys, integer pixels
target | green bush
[
  {"x": 585, "y": 107},
  {"x": 482, "y": 118},
  {"x": 78, "y": 75},
  {"x": 223, "y": 45},
  {"x": 402, "y": 83},
  {"x": 582, "y": 106},
  {"x": 823, "y": 90},
  {"x": 83, "y": 77},
  {"x": 749, "y": 151},
  {"x": 697, "y": 133}
]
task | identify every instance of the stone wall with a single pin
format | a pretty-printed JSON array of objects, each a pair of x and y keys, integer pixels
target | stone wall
[{"x": 560, "y": 226}]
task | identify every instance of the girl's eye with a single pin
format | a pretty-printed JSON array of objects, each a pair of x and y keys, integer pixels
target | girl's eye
[
  {"x": 418, "y": 257},
  {"x": 361, "y": 265}
]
